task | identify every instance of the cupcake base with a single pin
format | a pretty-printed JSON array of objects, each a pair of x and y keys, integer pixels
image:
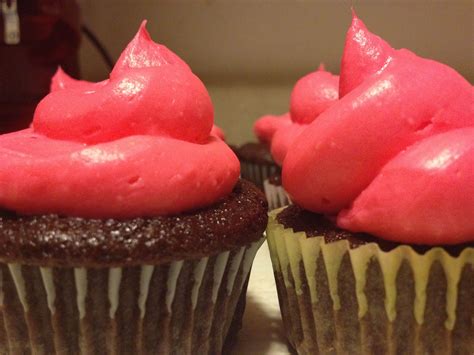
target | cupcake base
[
  {"x": 256, "y": 162},
  {"x": 257, "y": 173},
  {"x": 182, "y": 307},
  {"x": 341, "y": 298},
  {"x": 275, "y": 193}
]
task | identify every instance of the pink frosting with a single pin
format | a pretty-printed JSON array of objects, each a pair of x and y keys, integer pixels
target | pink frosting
[
  {"x": 218, "y": 132},
  {"x": 311, "y": 95},
  {"x": 389, "y": 106},
  {"x": 283, "y": 139},
  {"x": 364, "y": 54},
  {"x": 154, "y": 91},
  {"x": 62, "y": 81},
  {"x": 137, "y": 144},
  {"x": 426, "y": 190},
  {"x": 266, "y": 126}
]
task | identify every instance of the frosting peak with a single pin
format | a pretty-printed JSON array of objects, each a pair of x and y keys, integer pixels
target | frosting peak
[
  {"x": 393, "y": 100},
  {"x": 142, "y": 52},
  {"x": 364, "y": 54},
  {"x": 312, "y": 94},
  {"x": 150, "y": 91},
  {"x": 62, "y": 81},
  {"x": 136, "y": 145}
]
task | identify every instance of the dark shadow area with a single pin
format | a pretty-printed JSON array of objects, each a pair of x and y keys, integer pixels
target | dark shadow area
[{"x": 260, "y": 328}]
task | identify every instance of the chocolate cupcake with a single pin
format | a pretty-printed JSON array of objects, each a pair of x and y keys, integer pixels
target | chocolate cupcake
[
  {"x": 313, "y": 94},
  {"x": 377, "y": 254},
  {"x": 256, "y": 163},
  {"x": 343, "y": 292},
  {"x": 118, "y": 233},
  {"x": 275, "y": 193},
  {"x": 265, "y": 129}
]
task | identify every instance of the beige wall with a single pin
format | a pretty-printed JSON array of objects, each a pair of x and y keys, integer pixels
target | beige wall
[{"x": 250, "y": 52}]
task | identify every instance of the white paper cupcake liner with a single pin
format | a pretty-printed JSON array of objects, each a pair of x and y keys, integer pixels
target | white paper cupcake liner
[
  {"x": 340, "y": 300},
  {"x": 257, "y": 173},
  {"x": 276, "y": 195},
  {"x": 184, "y": 307}
]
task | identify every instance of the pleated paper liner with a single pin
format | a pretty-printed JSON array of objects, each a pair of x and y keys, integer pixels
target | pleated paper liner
[
  {"x": 257, "y": 173},
  {"x": 184, "y": 307},
  {"x": 338, "y": 300},
  {"x": 276, "y": 195}
]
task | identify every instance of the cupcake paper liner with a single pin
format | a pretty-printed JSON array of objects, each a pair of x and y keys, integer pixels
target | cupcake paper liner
[
  {"x": 184, "y": 307},
  {"x": 340, "y": 300},
  {"x": 257, "y": 173},
  {"x": 276, "y": 195}
]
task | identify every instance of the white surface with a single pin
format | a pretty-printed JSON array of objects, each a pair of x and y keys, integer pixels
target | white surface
[{"x": 262, "y": 330}]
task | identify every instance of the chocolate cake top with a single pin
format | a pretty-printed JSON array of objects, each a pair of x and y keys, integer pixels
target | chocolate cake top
[
  {"x": 52, "y": 240},
  {"x": 317, "y": 225},
  {"x": 257, "y": 153}
]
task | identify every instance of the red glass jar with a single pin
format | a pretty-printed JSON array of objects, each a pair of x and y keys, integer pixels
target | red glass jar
[{"x": 49, "y": 36}]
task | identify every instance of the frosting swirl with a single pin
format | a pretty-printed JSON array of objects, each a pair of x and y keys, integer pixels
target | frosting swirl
[
  {"x": 150, "y": 91},
  {"x": 371, "y": 152},
  {"x": 266, "y": 127},
  {"x": 137, "y": 144},
  {"x": 424, "y": 194},
  {"x": 311, "y": 95},
  {"x": 218, "y": 132}
]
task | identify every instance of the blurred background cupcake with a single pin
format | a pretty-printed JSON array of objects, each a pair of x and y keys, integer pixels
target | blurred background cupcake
[
  {"x": 124, "y": 226},
  {"x": 256, "y": 162},
  {"x": 311, "y": 95},
  {"x": 377, "y": 253}
]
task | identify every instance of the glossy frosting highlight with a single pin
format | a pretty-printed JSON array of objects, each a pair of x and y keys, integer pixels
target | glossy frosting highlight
[
  {"x": 364, "y": 54},
  {"x": 150, "y": 91},
  {"x": 426, "y": 190},
  {"x": 137, "y": 144},
  {"x": 392, "y": 100}
]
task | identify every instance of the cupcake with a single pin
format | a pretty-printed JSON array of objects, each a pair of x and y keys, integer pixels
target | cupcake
[
  {"x": 261, "y": 162},
  {"x": 275, "y": 193},
  {"x": 124, "y": 227},
  {"x": 376, "y": 255},
  {"x": 256, "y": 161},
  {"x": 312, "y": 94}
]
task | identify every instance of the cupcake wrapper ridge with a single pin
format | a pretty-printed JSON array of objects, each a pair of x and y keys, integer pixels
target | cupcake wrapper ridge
[
  {"x": 183, "y": 307},
  {"x": 336, "y": 299},
  {"x": 276, "y": 195},
  {"x": 257, "y": 173}
]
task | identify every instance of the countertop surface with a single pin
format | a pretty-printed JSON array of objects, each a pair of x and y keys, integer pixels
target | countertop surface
[{"x": 262, "y": 330}]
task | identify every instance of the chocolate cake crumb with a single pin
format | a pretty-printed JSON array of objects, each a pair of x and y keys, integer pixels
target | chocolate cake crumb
[
  {"x": 317, "y": 225},
  {"x": 51, "y": 240}
]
